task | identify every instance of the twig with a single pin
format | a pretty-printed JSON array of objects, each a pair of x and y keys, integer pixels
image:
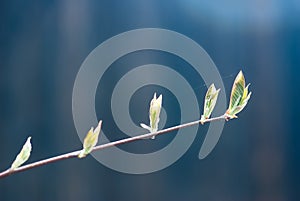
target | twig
[{"x": 74, "y": 154}]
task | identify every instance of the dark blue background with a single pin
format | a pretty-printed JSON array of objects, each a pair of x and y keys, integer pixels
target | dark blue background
[{"x": 43, "y": 44}]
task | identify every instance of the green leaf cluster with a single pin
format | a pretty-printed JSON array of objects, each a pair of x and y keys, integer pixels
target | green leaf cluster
[
  {"x": 239, "y": 96},
  {"x": 154, "y": 112},
  {"x": 210, "y": 102},
  {"x": 90, "y": 140}
]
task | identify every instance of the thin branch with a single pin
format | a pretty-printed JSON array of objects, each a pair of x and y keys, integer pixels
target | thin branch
[{"x": 74, "y": 154}]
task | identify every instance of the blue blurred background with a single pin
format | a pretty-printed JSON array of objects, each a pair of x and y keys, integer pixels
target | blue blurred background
[{"x": 43, "y": 44}]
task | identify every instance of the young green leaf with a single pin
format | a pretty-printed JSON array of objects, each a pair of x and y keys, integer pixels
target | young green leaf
[
  {"x": 145, "y": 126},
  {"x": 239, "y": 96},
  {"x": 209, "y": 102},
  {"x": 23, "y": 156},
  {"x": 90, "y": 140},
  {"x": 154, "y": 112}
]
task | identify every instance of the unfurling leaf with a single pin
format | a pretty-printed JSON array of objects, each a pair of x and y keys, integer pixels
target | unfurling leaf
[
  {"x": 23, "y": 156},
  {"x": 155, "y": 107},
  {"x": 209, "y": 102},
  {"x": 154, "y": 112},
  {"x": 90, "y": 140},
  {"x": 145, "y": 126},
  {"x": 239, "y": 96}
]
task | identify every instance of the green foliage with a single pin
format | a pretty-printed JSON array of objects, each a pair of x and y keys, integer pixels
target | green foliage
[
  {"x": 90, "y": 140},
  {"x": 154, "y": 112},
  {"x": 239, "y": 96},
  {"x": 23, "y": 156},
  {"x": 209, "y": 102}
]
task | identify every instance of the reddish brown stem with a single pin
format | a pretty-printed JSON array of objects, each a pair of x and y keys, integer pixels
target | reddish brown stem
[{"x": 74, "y": 154}]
